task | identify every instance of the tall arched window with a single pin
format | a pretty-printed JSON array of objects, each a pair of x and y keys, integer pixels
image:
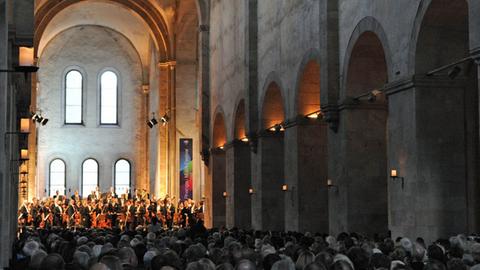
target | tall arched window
[
  {"x": 57, "y": 177},
  {"x": 108, "y": 98},
  {"x": 122, "y": 176},
  {"x": 73, "y": 97},
  {"x": 89, "y": 176}
]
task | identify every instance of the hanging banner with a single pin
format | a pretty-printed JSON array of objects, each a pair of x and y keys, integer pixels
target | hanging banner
[{"x": 186, "y": 172}]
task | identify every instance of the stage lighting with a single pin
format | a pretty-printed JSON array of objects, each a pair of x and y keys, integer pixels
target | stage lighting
[
  {"x": 152, "y": 122},
  {"x": 164, "y": 119},
  {"x": 452, "y": 74},
  {"x": 43, "y": 121}
]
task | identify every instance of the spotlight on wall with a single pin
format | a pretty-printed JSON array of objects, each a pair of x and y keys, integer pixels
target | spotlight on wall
[
  {"x": 244, "y": 139},
  {"x": 373, "y": 95},
  {"x": 152, "y": 122},
  {"x": 225, "y": 194},
  {"x": 330, "y": 184},
  {"x": 394, "y": 176},
  {"x": 250, "y": 191},
  {"x": 37, "y": 117},
  {"x": 43, "y": 121},
  {"x": 453, "y": 73},
  {"x": 165, "y": 118},
  {"x": 285, "y": 187}
]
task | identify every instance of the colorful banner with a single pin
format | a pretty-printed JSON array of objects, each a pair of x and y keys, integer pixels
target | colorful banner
[{"x": 186, "y": 172}]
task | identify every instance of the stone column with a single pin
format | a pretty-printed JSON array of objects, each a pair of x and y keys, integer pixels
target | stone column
[
  {"x": 218, "y": 187},
  {"x": 306, "y": 172},
  {"x": 427, "y": 144},
  {"x": 268, "y": 199},
  {"x": 359, "y": 200},
  {"x": 238, "y": 210}
]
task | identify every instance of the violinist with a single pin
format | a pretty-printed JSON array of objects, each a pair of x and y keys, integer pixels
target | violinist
[
  {"x": 35, "y": 211},
  {"x": 76, "y": 197},
  {"x": 71, "y": 209},
  {"x": 85, "y": 210},
  {"x": 23, "y": 214},
  {"x": 57, "y": 211}
]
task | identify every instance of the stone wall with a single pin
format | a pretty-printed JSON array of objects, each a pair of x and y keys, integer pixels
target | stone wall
[{"x": 91, "y": 49}]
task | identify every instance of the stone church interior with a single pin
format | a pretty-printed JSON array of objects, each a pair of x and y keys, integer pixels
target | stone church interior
[{"x": 239, "y": 134}]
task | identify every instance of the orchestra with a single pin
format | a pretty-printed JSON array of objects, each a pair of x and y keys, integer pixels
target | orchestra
[{"x": 109, "y": 211}]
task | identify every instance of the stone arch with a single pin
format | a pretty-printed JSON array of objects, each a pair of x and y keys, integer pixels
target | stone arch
[
  {"x": 365, "y": 126},
  {"x": 219, "y": 132},
  {"x": 371, "y": 33},
  {"x": 271, "y": 154},
  {"x": 143, "y": 8},
  {"x": 431, "y": 48},
  {"x": 306, "y": 164},
  {"x": 219, "y": 170},
  {"x": 273, "y": 109},
  {"x": 272, "y": 82},
  {"x": 203, "y": 12},
  {"x": 239, "y": 126},
  {"x": 308, "y": 84}
]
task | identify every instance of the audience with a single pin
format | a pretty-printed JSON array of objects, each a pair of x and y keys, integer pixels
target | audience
[{"x": 197, "y": 248}]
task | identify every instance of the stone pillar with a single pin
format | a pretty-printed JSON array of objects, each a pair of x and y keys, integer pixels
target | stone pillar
[
  {"x": 427, "y": 140},
  {"x": 268, "y": 199},
  {"x": 218, "y": 187},
  {"x": 238, "y": 210},
  {"x": 358, "y": 201},
  {"x": 306, "y": 172}
]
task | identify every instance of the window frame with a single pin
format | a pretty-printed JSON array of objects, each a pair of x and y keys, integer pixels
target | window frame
[
  {"x": 100, "y": 90},
  {"x": 82, "y": 174},
  {"x": 82, "y": 123},
  {"x": 50, "y": 176},
  {"x": 129, "y": 173}
]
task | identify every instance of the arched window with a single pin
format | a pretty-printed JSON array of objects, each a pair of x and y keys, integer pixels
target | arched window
[
  {"x": 89, "y": 176},
  {"x": 122, "y": 176},
  {"x": 57, "y": 177},
  {"x": 108, "y": 98},
  {"x": 73, "y": 97}
]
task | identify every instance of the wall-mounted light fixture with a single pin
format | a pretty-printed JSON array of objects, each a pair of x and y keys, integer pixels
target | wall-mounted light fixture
[
  {"x": 331, "y": 185},
  {"x": 251, "y": 191},
  {"x": 37, "y": 117},
  {"x": 152, "y": 122},
  {"x": 314, "y": 115},
  {"x": 244, "y": 139},
  {"x": 165, "y": 118},
  {"x": 284, "y": 187},
  {"x": 454, "y": 68},
  {"x": 277, "y": 128},
  {"x": 26, "y": 61},
  {"x": 25, "y": 125},
  {"x": 394, "y": 176},
  {"x": 24, "y": 154},
  {"x": 225, "y": 194}
]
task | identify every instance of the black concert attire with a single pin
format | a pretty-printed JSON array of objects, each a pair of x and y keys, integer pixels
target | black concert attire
[{"x": 57, "y": 215}]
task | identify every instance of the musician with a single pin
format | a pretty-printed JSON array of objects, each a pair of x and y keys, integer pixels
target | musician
[
  {"x": 130, "y": 211},
  {"x": 57, "y": 211},
  {"x": 85, "y": 210},
  {"x": 111, "y": 193},
  {"x": 70, "y": 211},
  {"x": 140, "y": 213},
  {"x": 76, "y": 197},
  {"x": 23, "y": 213},
  {"x": 35, "y": 211},
  {"x": 113, "y": 209}
]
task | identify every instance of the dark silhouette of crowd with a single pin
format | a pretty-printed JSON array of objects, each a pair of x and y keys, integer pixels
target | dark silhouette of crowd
[{"x": 197, "y": 248}]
